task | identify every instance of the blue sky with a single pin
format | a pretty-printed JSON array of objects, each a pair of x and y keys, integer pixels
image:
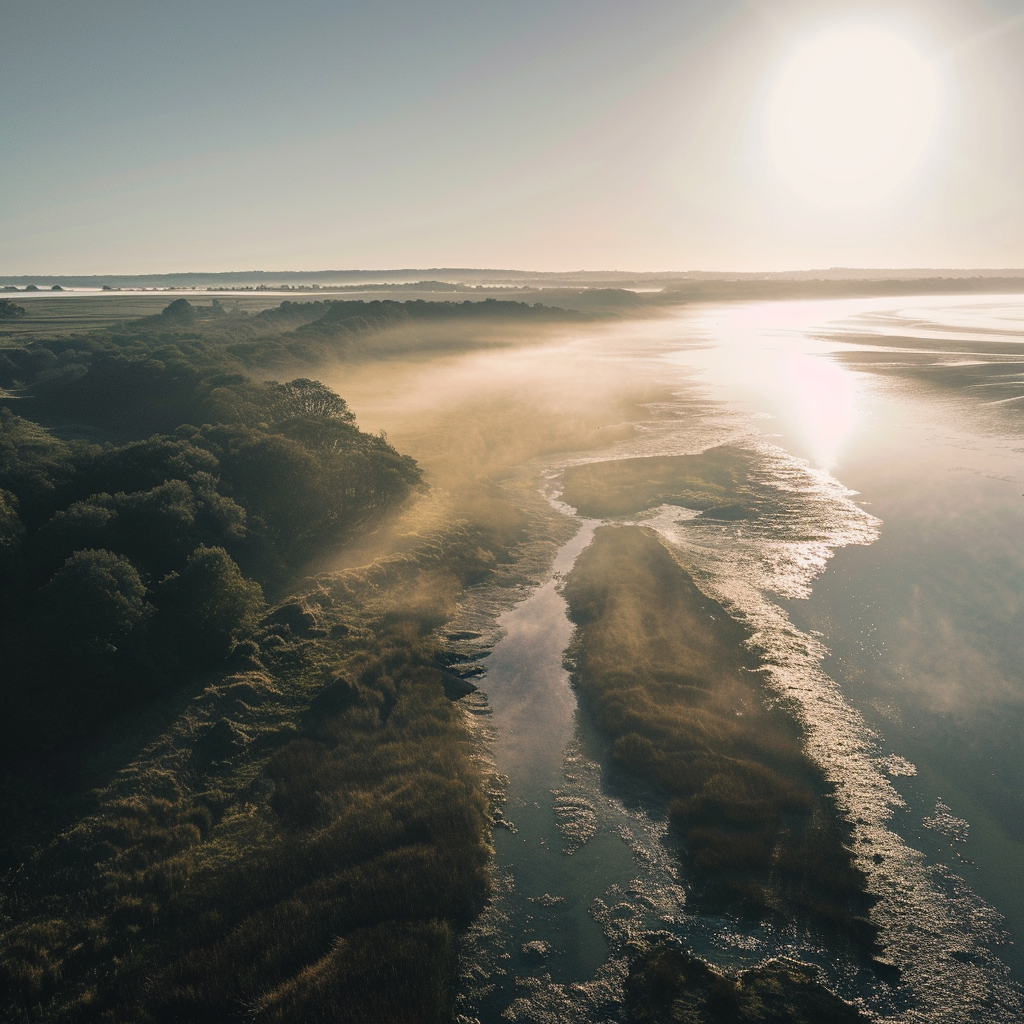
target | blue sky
[{"x": 144, "y": 137}]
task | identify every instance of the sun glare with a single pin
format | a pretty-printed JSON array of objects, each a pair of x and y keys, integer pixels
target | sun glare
[{"x": 851, "y": 116}]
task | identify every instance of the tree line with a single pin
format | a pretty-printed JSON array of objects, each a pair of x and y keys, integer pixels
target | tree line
[{"x": 127, "y": 564}]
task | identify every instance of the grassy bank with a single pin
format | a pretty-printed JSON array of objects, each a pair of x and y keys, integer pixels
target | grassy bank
[
  {"x": 663, "y": 671},
  {"x": 304, "y": 842}
]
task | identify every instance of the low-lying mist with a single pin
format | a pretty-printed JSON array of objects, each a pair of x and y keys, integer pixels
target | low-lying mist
[{"x": 468, "y": 415}]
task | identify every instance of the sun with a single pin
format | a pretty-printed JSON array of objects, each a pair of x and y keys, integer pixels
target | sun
[{"x": 851, "y": 115}]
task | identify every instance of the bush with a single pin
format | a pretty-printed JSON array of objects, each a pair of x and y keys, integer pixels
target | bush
[
  {"x": 94, "y": 602},
  {"x": 210, "y": 604}
]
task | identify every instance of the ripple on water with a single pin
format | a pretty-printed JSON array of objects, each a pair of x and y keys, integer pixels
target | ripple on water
[
  {"x": 577, "y": 820},
  {"x": 946, "y": 823}
]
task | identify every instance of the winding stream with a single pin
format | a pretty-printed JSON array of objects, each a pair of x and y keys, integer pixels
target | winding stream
[{"x": 581, "y": 867}]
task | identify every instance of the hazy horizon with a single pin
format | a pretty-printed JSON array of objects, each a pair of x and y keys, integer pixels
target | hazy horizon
[{"x": 593, "y": 274}]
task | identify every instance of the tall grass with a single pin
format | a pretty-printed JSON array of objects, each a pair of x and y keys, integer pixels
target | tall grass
[
  {"x": 326, "y": 882},
  {"x": 662, "y": 669}
]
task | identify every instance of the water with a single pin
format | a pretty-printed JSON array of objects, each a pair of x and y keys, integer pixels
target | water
[
  {"x": 886, "y": 597},
  {"x": 924, "y": 628}
]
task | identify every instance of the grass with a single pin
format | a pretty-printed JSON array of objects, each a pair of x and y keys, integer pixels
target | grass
[
  {"x": 711, "y": 480},
  {"x": 305, "y": 842},
  {"x": 663, "y": 670}
]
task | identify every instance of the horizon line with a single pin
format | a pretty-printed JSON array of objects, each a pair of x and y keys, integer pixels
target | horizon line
[{"x": 650, "y": 274}]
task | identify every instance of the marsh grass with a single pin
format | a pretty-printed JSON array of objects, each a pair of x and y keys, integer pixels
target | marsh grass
[
  {"x": 315, "y": 860},
  {"x": 668, "y": 984},
  {"x": 618, "y": 487},
  {"x": 663, "y": 670}
]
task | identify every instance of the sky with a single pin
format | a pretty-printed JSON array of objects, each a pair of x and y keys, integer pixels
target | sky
[{"x": 144, "y": 137}]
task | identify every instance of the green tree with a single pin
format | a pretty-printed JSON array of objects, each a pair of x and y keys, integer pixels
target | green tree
[
  {"x": 94, "y": 602},
  {"x": 11, "y": 527},
  {"x": 180, "y": 311},
  {"x": 209, "y": 604},
  {"x": 305, "y": 397},
  {"x": 33, "y": 465},
  {"x": 142, "y": 465},
  {"x": 156, "y": 528},
  {"x": 83, "y": 524}
]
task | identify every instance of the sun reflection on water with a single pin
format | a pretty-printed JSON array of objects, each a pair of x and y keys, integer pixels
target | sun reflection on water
[
  {"x": 824, "y": 406},
  {"x": 766, "y": 364}
]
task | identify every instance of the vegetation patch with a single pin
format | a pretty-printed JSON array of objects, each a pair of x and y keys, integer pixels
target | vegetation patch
[
  {"x": 668, "y": 984},
  {"x": 304, "y": 842},
  {"x": 714, "y": 480},
  {"x": 130, "y": 566},
  {"x": 11, "y": 310},
  {"x": 662, "y": 669}
]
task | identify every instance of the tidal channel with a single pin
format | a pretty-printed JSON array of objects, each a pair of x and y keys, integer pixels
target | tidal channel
[{"x": 907, "y": 639}]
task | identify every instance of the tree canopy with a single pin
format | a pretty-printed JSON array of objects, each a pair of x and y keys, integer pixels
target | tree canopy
[
  {"x": 132, "y": 563},
  {"x": 95, "y": 600}
]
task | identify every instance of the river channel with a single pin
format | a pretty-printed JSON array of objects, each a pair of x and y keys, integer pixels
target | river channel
[{"x": 886, "y": 600}]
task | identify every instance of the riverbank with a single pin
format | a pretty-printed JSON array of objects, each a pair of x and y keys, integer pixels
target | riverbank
[{"x": 304, "y": 834}]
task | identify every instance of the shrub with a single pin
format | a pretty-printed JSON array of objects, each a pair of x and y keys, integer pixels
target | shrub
[{"x": 94, "y": 602}]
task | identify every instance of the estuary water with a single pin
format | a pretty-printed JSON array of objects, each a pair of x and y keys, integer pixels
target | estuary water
[
  {"x": 884, "y": 594},
  {"x": 886, "y": 599}
]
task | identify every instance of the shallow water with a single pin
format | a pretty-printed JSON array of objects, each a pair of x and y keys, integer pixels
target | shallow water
[
  {"x": 923, "y": 629},
  {"x": 885, "y": 595}
]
